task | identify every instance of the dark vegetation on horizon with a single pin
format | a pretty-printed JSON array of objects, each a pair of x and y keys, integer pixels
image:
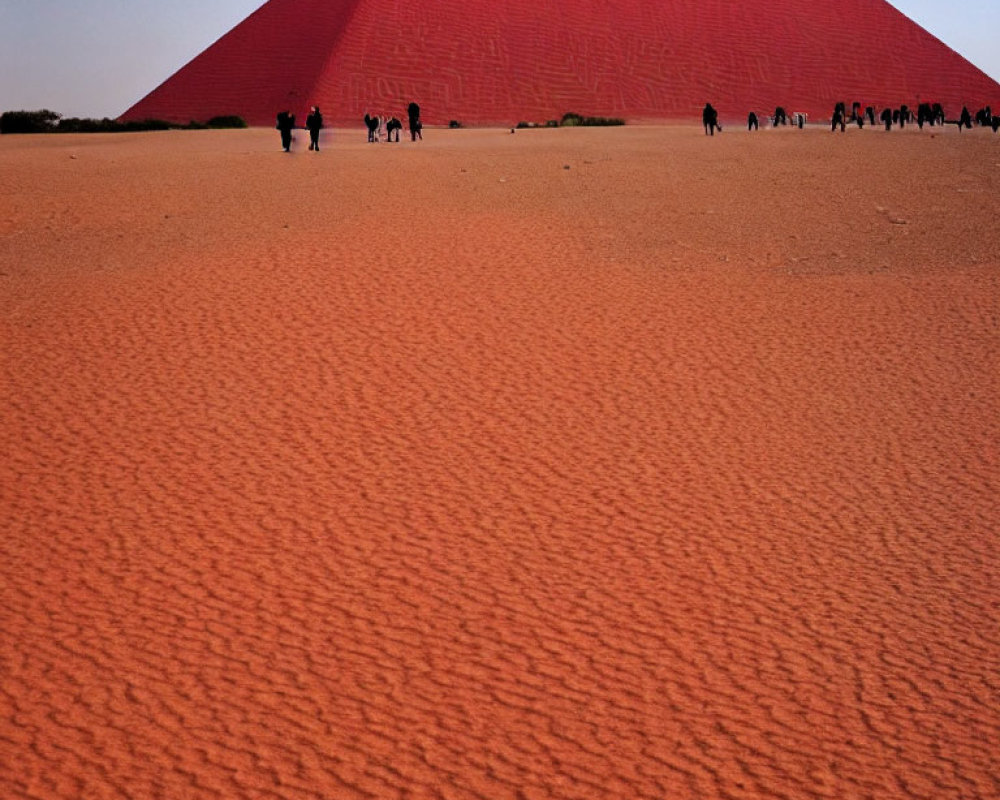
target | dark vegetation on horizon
[
  {"x": 46, "y": 121},
  {"x": 572, "y": 119}
]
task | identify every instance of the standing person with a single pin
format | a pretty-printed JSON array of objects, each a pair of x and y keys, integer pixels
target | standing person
[
  {"x": 314, "y": 122},
  {"x": 887, "y": 118},
  {"x": 780, "y": 116},
  {"x": 393, "y": 126},
  {"x": 838, "y": 118},
  {"x": 752, "y": 123},
  {"x": 856, "y": 114},
  {"x": 710, "y": 119},
  {"x": 413, "y": 115},
  {"x": 286, "y": 121},
  {"x": 373, "y": 124},
  {"x": 923, "y": 115}
]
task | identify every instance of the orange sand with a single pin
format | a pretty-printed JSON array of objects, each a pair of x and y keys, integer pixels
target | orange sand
[{"x": 444, "y": 471}]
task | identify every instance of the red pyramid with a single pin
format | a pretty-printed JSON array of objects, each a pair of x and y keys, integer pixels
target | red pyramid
[{"x": 490, "y": 62}]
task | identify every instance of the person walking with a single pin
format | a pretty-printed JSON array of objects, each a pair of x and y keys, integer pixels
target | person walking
[
  {"x": 286, "y": 122},
  {"x": 753, "y": 123},
  {"x": 965, "y": 120},
  {"x": 393, "y": 126},
  {"x": 413, "y": 116},
  {"x": 314, "y": 123},
  {"x": 710, "y": 119},
  {"x": 838, "y": 118},
  {"x": 373, "y": 124}
]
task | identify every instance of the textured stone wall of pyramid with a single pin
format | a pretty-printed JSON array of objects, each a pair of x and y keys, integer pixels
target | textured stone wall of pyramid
[{"x": 488, "y": 62}]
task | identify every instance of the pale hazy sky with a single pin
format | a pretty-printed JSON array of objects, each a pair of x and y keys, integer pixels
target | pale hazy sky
[{"x": 95, "y": 58}]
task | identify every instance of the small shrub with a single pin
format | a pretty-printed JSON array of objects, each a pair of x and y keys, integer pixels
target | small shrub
[
  {"x": 227, "y": 121},
  {"x": 43, "y": 121},
  {"x": 571, "y": 119},
  {"x": 77, "y": 125},
  {"x": 135, "y": 126},
  {"x": 454, "y": 124}
]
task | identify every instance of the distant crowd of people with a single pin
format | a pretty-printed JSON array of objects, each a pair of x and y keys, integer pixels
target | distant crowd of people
[
  {"x": 380, "y": 126},
  {"x": 927, "y": 114},
  {"x": 385, "y": 127}
]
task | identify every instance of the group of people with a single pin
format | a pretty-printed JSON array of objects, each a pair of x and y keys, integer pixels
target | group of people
[
  {"x": 710, "y": 119},
  {"x": 389, "y": 127},
  {"x": 376, "y": 126},
  {"x": 286, "y": 124},
  {"x": 927, "y": 114}
]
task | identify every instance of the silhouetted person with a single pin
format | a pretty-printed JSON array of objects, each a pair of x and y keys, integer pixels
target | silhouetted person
[
  {"x": 965, "y": 120},
  {"x": 413, "y": 117},
  {"x": 286, "y": 122},
  {"x": 870, "y": 113},
  {"x": 886, "y": 117},
  {"x": 938, "y": 111},
  {"x": 838, "y": 118},
  {"x": 924, "y": 114},
  {"x": 372, "y": 123},
  {"x": 904, "y": 115},
  {"x": 983, "y": 117},
  {"x": 314, "y": 123},
  {"x": 995, "y": 123},
  {"x": 393, "y": 126},
  {"x": 780, "y": 117},
  {"x": 895, "y": 116},
  {"x": 710, "y": 119},
  {"x": 856, "y": 114},
  {"x": 752, "y": 122}
]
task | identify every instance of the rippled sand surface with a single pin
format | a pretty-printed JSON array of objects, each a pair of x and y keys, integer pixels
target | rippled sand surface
[{"x": 622, "y": 463}]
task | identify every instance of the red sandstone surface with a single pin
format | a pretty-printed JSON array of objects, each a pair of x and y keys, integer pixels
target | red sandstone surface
[
  {"x": 481, "y": 61},
  {"x": 570, "y": 464}
]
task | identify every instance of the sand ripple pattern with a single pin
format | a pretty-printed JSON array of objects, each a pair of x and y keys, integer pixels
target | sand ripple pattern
[{"x": 513, "y": 482}]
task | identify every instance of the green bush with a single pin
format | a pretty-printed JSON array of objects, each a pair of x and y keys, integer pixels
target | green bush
[
  {"x": 46, "y": 121},
  {"x": 43, "y": 121},
  {"x": 227, "y": 121},
  {"x": 571, "y": 119},
  {"x": 77, "y": 125},
  {"x": 145, "y": 125}
]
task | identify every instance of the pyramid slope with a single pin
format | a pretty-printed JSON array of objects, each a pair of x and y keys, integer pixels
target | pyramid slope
[{"x": 485, "y": 62}]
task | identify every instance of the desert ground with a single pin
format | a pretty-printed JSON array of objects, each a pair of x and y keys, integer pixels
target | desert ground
[{"x": 579, "y": 463}]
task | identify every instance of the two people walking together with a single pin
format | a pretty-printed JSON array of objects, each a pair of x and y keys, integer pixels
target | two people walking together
[{"x": 286, "y": 124}]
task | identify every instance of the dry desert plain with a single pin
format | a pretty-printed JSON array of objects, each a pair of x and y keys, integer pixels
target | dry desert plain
[{"x": 580, "y": 463}]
